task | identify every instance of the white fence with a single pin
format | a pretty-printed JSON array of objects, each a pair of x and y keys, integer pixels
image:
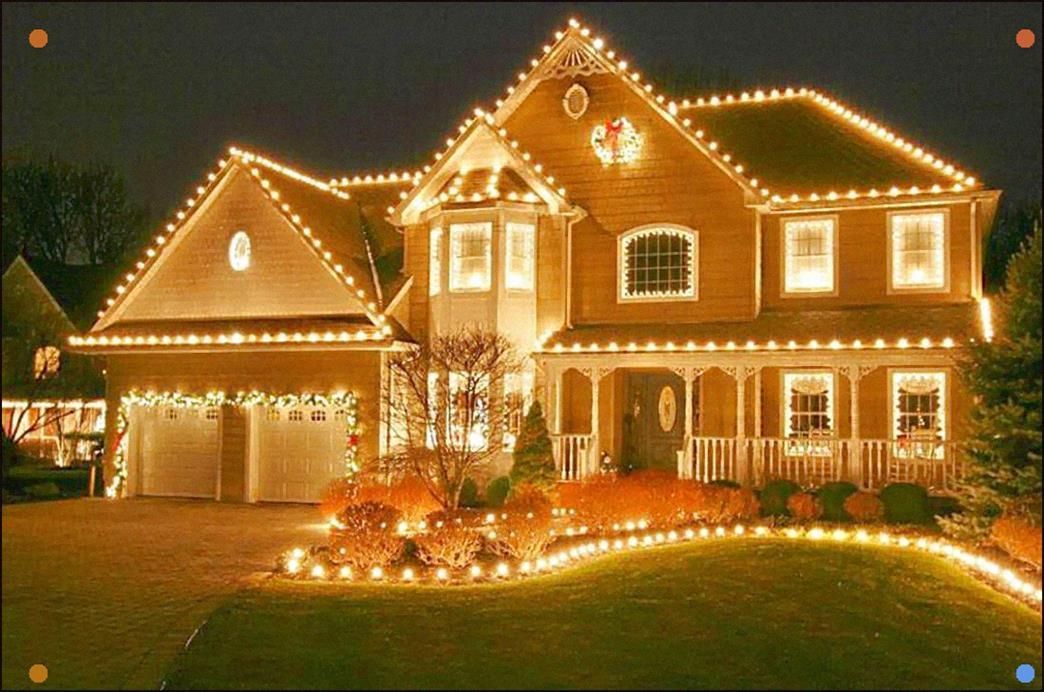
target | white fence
[{"x": 573, "y": 456}]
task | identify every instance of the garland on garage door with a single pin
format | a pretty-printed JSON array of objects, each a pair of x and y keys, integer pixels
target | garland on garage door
[{"x": 345, "y": 401}]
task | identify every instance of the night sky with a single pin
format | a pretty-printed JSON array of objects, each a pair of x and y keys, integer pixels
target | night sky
[{"x": 159, "y": 91}]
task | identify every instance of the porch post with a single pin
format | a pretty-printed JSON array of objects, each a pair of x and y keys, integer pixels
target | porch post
[
  {"x": 740, "y": 373},
  {"x": 594, "y": 453},
  {"x": 855, "y": 373},
  {"x": 554, "y": 399},
  {"x": 757, "y": 403}
]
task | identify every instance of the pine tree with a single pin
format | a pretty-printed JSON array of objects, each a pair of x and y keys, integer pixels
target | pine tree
[
  {"x": 534, "y": 461},
  {"x": 1004, "y": 447}
]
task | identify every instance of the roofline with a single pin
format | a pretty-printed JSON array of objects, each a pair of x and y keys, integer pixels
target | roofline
[{"x": 39, "y": 282}]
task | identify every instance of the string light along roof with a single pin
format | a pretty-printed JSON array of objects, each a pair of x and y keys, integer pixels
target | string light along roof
[
  {"x": 483, "y": 184},
  {"x": 580, "y": 50},
  {"x": 521, "y": 160},
  {"x": 263, "y": 171}
]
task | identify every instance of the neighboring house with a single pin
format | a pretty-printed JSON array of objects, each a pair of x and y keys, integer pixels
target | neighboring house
[
  {"x": 740, "y": 286},
  {"x": 53, "y": 400}
]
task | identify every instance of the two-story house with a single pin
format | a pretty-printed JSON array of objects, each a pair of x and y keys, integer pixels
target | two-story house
[{"x": 741, "y": 286}]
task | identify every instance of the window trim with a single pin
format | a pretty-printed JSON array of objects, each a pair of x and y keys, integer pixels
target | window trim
[
  {"x": 532, "y": 230},
  {"x": 784, "y": 397},
  {"x": 488, "y": 286},
  {"x": 621, "y": 242},
  {"x": 891, "y": 288},
  {"x": 835, "y": 245},
  {"x": 435, "y": 261},
  {"x": 893, "y": 404}
]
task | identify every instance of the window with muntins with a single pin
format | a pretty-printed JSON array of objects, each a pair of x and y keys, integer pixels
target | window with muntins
[
  {"x": 808, "y": 411},
  {"x": 918, "y": 248},
  {"x": 521, "y": 253},
  {"x": 470, "y": 256},
  {"x": 809, "y": 246},
  {"x": 657, "y": 263},
  {"x": 919, "y": 418}
]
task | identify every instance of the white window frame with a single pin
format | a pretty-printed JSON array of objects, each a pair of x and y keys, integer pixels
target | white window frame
[
  {"x": 692, "y": 293},
  {"x": 527, "y": 231},
  {"x": 796, "y": 292},
  {"x": 478, "y": 426},
  {"x": 435, "y": 261},
  {"x": 943, "y": 287},
  {"x": 456, "y": 284},
  {"x": 807, "y": 446},
  {"x": 927, "y": 449}
]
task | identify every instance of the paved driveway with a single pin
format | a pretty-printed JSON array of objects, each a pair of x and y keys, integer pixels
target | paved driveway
[{"x": 105, "y": 593}]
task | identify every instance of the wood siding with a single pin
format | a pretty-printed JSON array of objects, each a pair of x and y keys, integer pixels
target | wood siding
[{"x": 671, "y": 182}]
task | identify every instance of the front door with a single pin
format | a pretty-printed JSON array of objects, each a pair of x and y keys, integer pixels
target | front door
[{"x": 654, "y": 420}]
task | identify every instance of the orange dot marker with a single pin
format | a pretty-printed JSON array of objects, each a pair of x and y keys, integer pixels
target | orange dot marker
[
  {"x": 38, "y": 673},
  {"x": 1025, "y": 38},
  {"x": 37, "y": 38}
]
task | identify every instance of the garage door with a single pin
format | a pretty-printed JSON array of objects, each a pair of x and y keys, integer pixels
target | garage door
[
  {"x": 179, "y": 451},
  {"x": 299, "y": 451}
]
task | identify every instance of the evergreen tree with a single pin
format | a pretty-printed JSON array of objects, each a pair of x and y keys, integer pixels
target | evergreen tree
[
  {"x": 1004, "y": 448},
  {"x": 534, "y": 461}
]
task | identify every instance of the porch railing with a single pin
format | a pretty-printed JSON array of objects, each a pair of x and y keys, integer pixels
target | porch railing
[
  {"x": 870, "y": 464},
  {"x": 573, "y": 455}
]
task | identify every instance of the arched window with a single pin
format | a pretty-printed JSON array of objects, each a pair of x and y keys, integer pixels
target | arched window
[{"x": 658, "y": 262}]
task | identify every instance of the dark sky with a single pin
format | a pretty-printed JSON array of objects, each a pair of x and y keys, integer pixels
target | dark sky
[{"x": 160, "y": 90}]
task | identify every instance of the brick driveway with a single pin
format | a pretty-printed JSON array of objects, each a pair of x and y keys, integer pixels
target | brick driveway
[{"x": 106, "y": 593}]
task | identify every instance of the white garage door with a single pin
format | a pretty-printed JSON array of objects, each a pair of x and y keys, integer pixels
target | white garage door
[
  {"x": 300, "y": 450},
  {"x": 179, "y": 451}
]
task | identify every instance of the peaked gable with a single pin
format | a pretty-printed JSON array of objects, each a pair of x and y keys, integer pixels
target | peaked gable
[
  {"x": 27, "y": 299},
  {"x": 193, "y": 278}
]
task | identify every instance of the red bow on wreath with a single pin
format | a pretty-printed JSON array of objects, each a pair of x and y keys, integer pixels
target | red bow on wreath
[{"x": 613, "y": 128}]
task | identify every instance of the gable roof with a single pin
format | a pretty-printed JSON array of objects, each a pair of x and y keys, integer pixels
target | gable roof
[
  {"x": 738, "y": 148},
  {"x": 338, "y": 239},
  {"x": 487, "y": 145}
]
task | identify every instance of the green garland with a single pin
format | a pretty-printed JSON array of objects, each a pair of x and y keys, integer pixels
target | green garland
[{"x": 217, "y": 399}]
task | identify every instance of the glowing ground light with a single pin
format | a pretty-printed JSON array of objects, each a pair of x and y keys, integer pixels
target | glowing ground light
[
  {"x": 38, "y": 673},
  {"x": 1024, "y": 38}
]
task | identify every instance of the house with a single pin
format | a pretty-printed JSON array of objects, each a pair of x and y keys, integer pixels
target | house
[
  {"x": 53, "y": 399},
  {"x": 743, "y": 286}
]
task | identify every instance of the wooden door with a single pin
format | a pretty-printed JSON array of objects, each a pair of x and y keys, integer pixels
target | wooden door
[{"x": 654, "y": 420}]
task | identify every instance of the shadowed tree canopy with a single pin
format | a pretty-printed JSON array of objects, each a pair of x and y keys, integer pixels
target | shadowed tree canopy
[{"x": 68, "y": 213}]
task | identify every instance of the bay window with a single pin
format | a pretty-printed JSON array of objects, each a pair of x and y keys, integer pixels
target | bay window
[
  {"x": 518, "y": 395},
  {"x": 470, "y": 256},
  {"x": 468, "y": 410},
  {"x": 435, "y": 262},
  {"x": 809, "y": 251},
  {"x": 917, "y": 250},
  {"x": 521, "y": 246}
]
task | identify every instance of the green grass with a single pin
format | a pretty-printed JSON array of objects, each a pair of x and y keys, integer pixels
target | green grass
[{"x": 751, "y": 613}]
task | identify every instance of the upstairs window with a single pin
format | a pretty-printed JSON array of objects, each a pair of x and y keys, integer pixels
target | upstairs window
[
  {"x": 919, "y": 413},
  {"x": 809, "y": 247},
  {"x": 46, "y": 362},
  {"x": 917, "y": 249},
  {"x": 521, "y": 253},
  {"x": 470, "y": 256},
  {"x": 435, "y": 262},
  {"x": 658, "y": 263}
]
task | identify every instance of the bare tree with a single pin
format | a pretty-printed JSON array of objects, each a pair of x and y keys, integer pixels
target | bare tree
[{"x": 443, "y": 403}]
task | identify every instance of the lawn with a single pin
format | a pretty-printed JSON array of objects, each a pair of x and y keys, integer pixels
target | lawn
[{"x": 744, "y": 613}]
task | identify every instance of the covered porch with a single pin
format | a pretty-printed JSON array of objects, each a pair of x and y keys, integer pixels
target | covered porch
[{"x": 724, "y": 415}]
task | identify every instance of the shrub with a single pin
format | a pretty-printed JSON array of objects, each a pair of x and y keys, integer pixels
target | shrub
[
  {"x": 367, "y": 536},
  {"x": 804, "y": 506},
  {"x": 526, "y": 533},
  {"x": 943, "y": 505},
  {"x": 410, "y": 496},
  {"x": 774, "y": 497},
  {"x": 43, "y": 491},
  {"x": 722, "y": 504},
  {"x": 832, "y": 497},
  {"x": 533, "y": 459},
  {"x": 1019, "y": 537},
  {"x": 497, "y": 491},
  {"x": 469, "y": 493},
  {"x": 658, "y": 497},
  {"x": 905, "y": 503},
  {"x": 726, "y": 483},
  {"x": 453, "y": 539},
  {"x": 864, "y": 507}
]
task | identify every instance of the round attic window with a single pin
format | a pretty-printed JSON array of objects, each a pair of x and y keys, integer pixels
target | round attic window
[
  {"x": 575, "y": 101},
  {"x": 239, "y": 251}
]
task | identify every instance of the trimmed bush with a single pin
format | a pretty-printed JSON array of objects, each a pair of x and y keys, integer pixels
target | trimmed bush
[
  {"x": 905, "y": 503},
  {"x": 722, "y": 504},
  {"x": 469, "y": 493},
  {"x": 409, "y": 495},
  {"x": 526, "y": 532},
  {"x": 832, "y": 496},
  {"x": 452, "y": 539},
  {"x": 497, "y": 491},
  {"x": 1018, "y": 537},
  {"x": 864, "y": 507},
  {"x": 533, "y": 460},
  {"x": 367, "y": 536},
  {"x": 774, "y": 497},
  {"x": 804, "y": 506},
  {"x": 943, "y": 505}
]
